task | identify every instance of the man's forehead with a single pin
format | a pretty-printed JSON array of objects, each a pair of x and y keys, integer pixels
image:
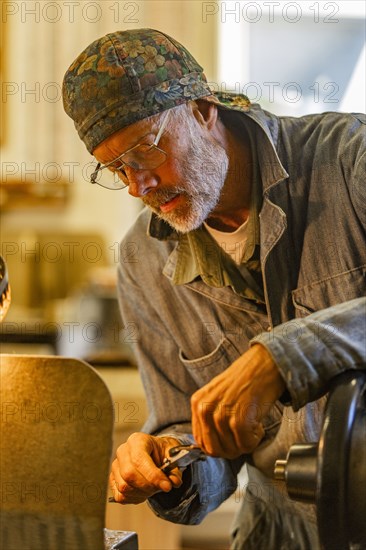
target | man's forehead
[{"x": 129, "y": 136}]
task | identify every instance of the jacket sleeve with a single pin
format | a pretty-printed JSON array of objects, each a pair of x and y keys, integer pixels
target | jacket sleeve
[
  {"x": 355, "y": 171},
  {"x": 309, "y": 352},
  {"x": 205, "y": 484}
]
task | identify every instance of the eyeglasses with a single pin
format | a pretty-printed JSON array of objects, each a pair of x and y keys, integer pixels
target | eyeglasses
[{"x": 142, "y": 156}]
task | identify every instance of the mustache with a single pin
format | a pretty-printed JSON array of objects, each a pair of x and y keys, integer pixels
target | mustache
[{"x": 160, "y": 196}]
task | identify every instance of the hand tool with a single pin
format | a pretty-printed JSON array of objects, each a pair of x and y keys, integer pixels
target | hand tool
[{"x": 180, "y": 457}]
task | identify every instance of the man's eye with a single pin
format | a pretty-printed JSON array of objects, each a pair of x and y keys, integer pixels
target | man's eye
[
  {"x": 117, "y": 169},
  {"x": 121, "y": 171}
]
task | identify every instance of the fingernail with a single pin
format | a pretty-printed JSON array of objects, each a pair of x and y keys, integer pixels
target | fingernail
[{"x": 165, "y": 486}]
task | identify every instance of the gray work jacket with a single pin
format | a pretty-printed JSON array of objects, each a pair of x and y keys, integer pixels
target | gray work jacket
[{"x": 313, "y": 258}]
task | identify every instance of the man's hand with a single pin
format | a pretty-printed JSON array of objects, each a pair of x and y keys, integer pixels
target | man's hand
[
  {"x": 136, "y": 475},
  {"x": 227, "y": 412}
]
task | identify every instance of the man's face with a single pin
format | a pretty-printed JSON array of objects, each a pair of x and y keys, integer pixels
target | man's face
[{"x": 184, "y": 190}]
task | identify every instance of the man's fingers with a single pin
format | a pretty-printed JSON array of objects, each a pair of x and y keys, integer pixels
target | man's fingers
[
  {"x": 248, "y": 438},
  {"x": 175, "y": 477},
  {"x": 225, "y": 430},
  {"x": 136, "y": 474},
  {"x": 227, "y": 437},
  {"x": 113, "y": 485},
  {"x": 213, "y": 437},
  {"x": 125, "y": 494},
  {"x": 144, "y": 470}
]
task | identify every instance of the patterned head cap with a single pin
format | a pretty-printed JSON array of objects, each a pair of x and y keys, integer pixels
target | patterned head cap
[{"x": 127, "y": 76}]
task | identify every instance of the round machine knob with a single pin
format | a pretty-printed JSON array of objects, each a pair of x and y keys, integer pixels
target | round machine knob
[
  {"x": 299, "y": 471},
  {"x": 332, "y": 473}
]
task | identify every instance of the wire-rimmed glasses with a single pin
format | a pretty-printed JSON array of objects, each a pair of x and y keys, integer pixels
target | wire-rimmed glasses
[{"x": 143, "y": 156}]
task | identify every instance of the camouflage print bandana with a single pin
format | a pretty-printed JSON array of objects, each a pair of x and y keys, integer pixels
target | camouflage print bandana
[{"x": 127, "y": 76}]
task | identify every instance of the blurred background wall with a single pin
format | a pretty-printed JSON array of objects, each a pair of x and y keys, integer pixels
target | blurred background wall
[{"x": 60, "y": 235}]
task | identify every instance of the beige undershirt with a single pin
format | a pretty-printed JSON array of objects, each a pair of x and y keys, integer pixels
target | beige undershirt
[{"x": 233, "y": 243}]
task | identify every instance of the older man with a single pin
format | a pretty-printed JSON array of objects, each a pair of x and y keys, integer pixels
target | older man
[{"x": 248, "y": 287}]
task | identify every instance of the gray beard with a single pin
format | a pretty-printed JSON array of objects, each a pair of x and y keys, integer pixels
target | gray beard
[{"x": 204, "y": 169}]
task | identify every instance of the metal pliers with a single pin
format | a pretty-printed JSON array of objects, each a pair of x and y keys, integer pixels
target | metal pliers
[{"x": 182, "y": 456}]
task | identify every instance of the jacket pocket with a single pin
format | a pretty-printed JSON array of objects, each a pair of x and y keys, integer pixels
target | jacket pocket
[
  {"x": 329, "y": 292},
  {"x": 203, "y": 369}
]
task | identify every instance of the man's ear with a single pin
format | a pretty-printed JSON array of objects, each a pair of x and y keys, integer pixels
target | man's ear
[{"x": 205, "y": 113}]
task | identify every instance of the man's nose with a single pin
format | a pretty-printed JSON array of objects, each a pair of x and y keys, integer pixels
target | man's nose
[{"x": 141, "y": 182}]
